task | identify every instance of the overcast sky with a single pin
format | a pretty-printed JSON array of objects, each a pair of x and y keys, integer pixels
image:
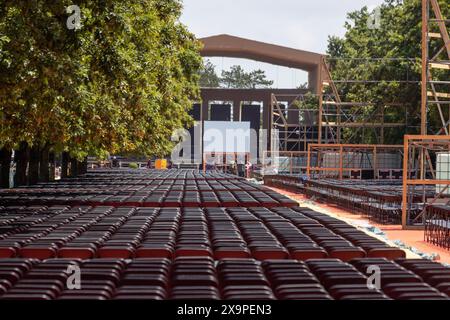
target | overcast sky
[{"x": 300, "y": 24}]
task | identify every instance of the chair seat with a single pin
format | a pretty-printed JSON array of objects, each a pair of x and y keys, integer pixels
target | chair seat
[
  {"x": 115, "y": 252},
  {"x": 72, "y": 252},
  {"x": 37, "y": 252},
  {"x": 305, "y": 254},
  {"x": 346, "y": 254},
  {"x": 389, "y": 253},
  {"x": 230, "y": 252},
  {"x": 8, "y": 252}
]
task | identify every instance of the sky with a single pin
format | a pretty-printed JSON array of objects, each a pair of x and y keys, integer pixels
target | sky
[{"x": 299, "y": 24}]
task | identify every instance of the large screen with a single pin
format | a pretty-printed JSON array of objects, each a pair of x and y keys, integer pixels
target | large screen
[{"x": 226, "y": 136}]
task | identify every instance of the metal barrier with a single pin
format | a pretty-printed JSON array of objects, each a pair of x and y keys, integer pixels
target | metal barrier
[
  {"x": 355, "y": 162},
  {"x": 427, "y": 173},
  {"x": 284, "y": 162},
  {"x": 437, "y": 225}
]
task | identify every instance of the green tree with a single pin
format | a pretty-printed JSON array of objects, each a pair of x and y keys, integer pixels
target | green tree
[
  {"x": 122, "y": 83},
  {"x": 236, "y": 77},
  {"x": 258, "y": 79},
  {"x": 208, "y": 76},
  {"x": 396, "y": 41}
]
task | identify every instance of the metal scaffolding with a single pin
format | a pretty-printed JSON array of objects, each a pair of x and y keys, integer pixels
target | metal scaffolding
[
  {"x": 336, "y": 115},
  {"x": 435, "y": 93},
  {"x": 425, "y": 173},
  {"x": 426, "y": 181},
  {"x": 296, "y": 126},
  {"x": 299, "y": 123}
]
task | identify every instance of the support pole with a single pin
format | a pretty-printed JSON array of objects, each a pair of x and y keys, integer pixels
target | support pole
[
  {"x": 423, "y": 109},
  {"x": 442, "y": 26},
  {"x": 236, "y": 110},
  {"x": 405, "y": 181},
  {"x": 375, "y": 162},
  {"x": 319, "y": 138},
  {"x": 290, "y": 163},
  {"x": 204, "y": 163},
  {"x": 308, "y": 163},
  {"x": 267, "y": 119}
]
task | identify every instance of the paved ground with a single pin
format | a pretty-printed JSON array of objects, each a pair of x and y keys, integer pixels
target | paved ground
[{"x": 412, "y": 238}]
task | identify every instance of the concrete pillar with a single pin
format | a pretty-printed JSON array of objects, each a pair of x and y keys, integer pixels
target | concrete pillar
[
  {"x": 204, "y": 117},
  {"x": 236, "y": 110},
  {"x": 267, "y": 121},
  {"x": 204, "y": 111}
]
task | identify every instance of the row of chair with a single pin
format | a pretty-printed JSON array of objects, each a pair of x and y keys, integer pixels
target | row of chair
[
  {"x": 153, "y": 235},
  {"x": 186, "y": 174},
  {"x": 398, "y": 282},
  {"x": 154, "y": 198},
  {"x": 437, "y": 224},
  {"x": 372, "y": 246},
  {"x": 200, "y": 278},
  {"x": 127, "y": 232},
  {"x": 128, "y": 187}
]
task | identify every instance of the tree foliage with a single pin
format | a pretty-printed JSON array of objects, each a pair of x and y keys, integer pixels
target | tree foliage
[
  {"x": 208, "y": 76},
  {"x": 396, "y": 41},
  {"x": 236, "y": 77},
  {"x": 122, "y": 83}
]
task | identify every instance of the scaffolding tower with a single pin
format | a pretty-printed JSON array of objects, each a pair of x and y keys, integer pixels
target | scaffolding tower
[
  {"x": 435, "y": 93},
  {"x": 337, "y": 115},
  {"x": 299, "y": 124},
  {"x": 294, "y": 125},
  {"x": 425, "y": 172}
]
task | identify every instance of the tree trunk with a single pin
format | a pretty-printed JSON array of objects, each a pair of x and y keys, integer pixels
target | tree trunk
[
  {"x": 85, "y": 165},
  {"x": 5, "y": 155},
  {"x": 82, "y": 166},
  {"x": 21, "y": 159},
  {"x": 44, "y": 173},
  {"x": 79, "y": 168},
  {"x": 33, "y": 171},
  {"x": 65, "y": 165},
  {"x": 73, "y": 168},
  {"x": 51, "y": 160}
]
